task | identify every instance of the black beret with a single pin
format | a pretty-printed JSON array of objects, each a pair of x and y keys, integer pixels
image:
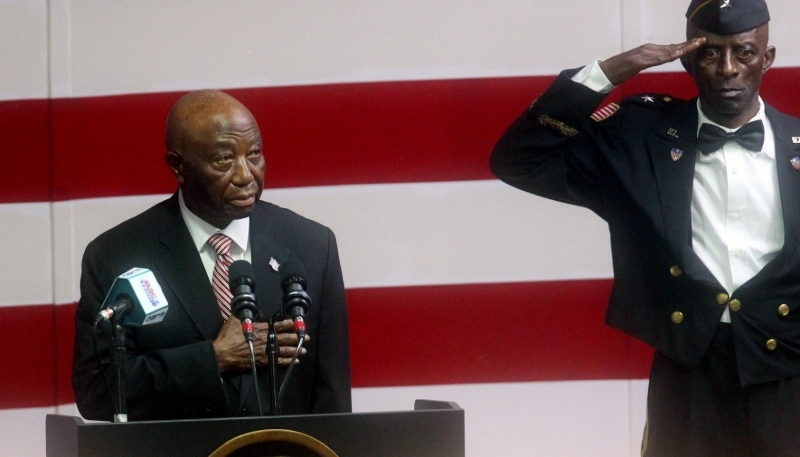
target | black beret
[{"x": 727, "y": 17}]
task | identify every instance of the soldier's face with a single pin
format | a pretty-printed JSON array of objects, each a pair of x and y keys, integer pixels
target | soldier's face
[{"x": 727, "y": 71}]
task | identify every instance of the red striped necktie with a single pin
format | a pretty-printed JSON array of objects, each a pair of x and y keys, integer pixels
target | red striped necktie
[{"x": 219, "y": 280}]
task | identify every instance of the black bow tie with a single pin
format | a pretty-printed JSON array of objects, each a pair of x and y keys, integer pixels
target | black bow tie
[{"x": 749, "y": 136}]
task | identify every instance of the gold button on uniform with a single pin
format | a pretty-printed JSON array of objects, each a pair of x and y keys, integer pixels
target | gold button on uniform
[
  {"x": 677, "y": 317},
  {"x": 675, "y": 271},
  {"x": 735, "y": 305},
  {"x": 772, "y": 344},
  {"x": 783, "y": 310},
  {"x": 722, "y": 298}
]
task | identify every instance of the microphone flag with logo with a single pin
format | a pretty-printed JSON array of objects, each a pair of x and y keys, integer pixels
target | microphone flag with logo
[{"x": 140, "y": 286}]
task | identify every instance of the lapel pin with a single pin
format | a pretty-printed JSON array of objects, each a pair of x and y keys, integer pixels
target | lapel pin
[
  {"x": 796, "y": 139},
  {"x": 648, "y": 98},
  {"x": 274, "y": 263},
  {"x": 677, "y": 153},
  {"x": 725, "y": 4},
  {"x": 796, "y": 163},
  {"x": 672, "y": 132}
]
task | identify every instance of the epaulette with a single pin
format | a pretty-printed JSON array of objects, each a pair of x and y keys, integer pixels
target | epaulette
[{"x": 649, "y": 100}]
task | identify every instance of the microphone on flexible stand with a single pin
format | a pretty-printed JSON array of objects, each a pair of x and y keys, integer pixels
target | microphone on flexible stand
[
  {"x": 244, "y": 307},
  {"x": 243, "y": 303},
  {"x": 296, "y": 301}
]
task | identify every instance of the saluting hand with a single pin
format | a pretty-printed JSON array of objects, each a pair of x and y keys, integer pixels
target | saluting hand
[{"x": 622, "y": 67}]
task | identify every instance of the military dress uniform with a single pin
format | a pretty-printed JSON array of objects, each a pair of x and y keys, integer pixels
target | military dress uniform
[{"x": 633, "y": 164}]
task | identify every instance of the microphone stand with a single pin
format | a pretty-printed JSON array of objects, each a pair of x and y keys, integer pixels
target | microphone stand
[
  {"x": 118, "y": 367},
  {"x": 272, "y": 350}
]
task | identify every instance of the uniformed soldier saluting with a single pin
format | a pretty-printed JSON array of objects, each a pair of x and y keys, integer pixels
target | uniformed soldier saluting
[{"x": 702, "y": 199}]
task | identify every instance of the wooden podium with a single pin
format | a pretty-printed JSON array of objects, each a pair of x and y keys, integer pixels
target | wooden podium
[{"x": 432, "y": 429}]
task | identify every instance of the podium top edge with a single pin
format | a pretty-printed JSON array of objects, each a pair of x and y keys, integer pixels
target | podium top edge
[{"x": 420, "y": 407}]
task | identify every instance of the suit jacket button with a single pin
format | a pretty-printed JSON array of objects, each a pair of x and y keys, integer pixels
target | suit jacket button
[
  {"x": 677, "y": 317},
  {"x": 675, "y": 271},
  {"x": 722, "y": 298},
  {"x": 735, "y": 305},
  {"x": 772, "y": 344},
  {"x": 783, "y": 310}
]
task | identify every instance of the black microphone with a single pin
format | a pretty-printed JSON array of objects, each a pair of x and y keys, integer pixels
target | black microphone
[
  {"x": 295, "y": 299},
  {"x": 243, "y": 304},
  {"x": 118, "y": 309}
]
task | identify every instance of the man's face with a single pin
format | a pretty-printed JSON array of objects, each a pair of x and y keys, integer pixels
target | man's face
[
  {"x": 727, "y": 71},
  {"x": 221, "y": 165}
]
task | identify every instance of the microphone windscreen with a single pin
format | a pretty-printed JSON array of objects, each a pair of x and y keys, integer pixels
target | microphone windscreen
[
  {"x": 240, "y": 271},
  {"x": 292, "y": 271}
]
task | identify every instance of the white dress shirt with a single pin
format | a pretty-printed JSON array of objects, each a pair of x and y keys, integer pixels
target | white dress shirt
[
  {"x": 737, "y": 220},
  {"x": 238, "y": 231}
]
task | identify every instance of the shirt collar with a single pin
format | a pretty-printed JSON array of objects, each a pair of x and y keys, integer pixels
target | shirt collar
[
  {"x": 760, "y": 115},
  {"x": 238, "y": 230}
]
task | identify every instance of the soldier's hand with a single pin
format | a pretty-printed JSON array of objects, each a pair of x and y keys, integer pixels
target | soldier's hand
[
  {"x": 287, "y": 341},
  {"x": 622, "y": 67},
  {"x": 232, "y": 350}
]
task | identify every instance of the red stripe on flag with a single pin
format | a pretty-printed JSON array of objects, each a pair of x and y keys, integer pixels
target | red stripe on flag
[
  {"x": 65, "y": 340},
  {"x": 313, "y": 135},
  {"x": 485, "y": 333},
  {"x": 399, "y": 336},
  {"x": 27, "y": 357},
  {"x": 360, "y": 133},
  {"x": 25, "y": 173}
]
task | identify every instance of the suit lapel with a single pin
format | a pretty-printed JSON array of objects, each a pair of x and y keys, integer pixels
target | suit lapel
[
  {"x": 263, "y": 232},
  {"x": 785, "y": 128},
  {"x": 182, "y": 269},
  {"x": 673, "y": 148}
]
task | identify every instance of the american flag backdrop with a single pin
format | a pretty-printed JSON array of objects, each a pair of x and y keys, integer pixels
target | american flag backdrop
[{"x": 378, "y": 118}]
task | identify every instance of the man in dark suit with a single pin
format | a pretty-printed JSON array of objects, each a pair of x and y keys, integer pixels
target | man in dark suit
[
  {"x": 702, "y": 199},
  {"x": 195, "y": 363}
]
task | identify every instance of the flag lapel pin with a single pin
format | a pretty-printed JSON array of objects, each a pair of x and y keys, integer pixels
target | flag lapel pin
[
  {"x": 676, "y": 154},
  {"x": 274, "y": 263},
  {"x": 796, "y": 163}
]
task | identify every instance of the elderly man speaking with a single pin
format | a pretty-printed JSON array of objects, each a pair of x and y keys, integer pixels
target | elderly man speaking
[{"x": 196, "y": 363}]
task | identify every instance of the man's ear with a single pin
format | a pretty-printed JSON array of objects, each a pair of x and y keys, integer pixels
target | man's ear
[
  {"x": 175, "y": 162},
  {"x": 769, "y": 59}
]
